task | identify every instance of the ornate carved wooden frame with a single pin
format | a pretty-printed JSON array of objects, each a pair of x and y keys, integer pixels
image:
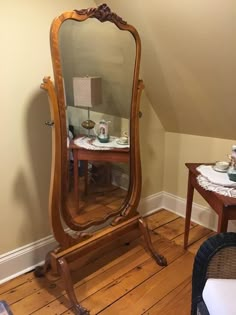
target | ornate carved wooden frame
[
  {"x": 73, "y": 246},
  {"x": 102, "y": 13}
]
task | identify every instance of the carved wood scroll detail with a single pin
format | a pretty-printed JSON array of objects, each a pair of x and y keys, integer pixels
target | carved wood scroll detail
[{"x": 103, "y": 13}]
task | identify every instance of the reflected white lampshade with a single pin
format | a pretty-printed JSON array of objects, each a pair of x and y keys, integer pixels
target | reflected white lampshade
[{"x": 87, "y": 93}]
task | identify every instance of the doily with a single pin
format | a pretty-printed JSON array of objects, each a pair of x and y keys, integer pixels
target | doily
[
  {"x": 214, "y": 177},
  {"x": 95, "y": 144},
  {"x": 222, "y": 190}
]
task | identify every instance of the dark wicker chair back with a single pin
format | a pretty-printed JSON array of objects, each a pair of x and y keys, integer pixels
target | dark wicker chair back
[{"x": 216, "y": 258}]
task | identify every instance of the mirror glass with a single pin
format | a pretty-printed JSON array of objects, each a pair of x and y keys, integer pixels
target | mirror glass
[{"x": 98, "y": 62}]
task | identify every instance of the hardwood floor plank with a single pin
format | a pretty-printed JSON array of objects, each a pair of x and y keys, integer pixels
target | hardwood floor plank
[
  {"x": 178, "y": 301},
  {"x": 49, "y": 294},
  {"x": 32, "y": 302},
  {"x": 108, "y": 285},
  {"x": 160, "y": 218},
  {"x": 11, "y": 284},
  {"x": 120, "y": 278},
  {"x": 195, "y": 246},
  {"x": 36, "y": 300},
  {"x": 129, "y": 280},
  {"x": 153, "y": 289},
  {"x": 113, "y": 251},
  {"x": 195, "y": 234},
  {"x": 23, "y": 290},
  {"x": 172, "y": 229}
]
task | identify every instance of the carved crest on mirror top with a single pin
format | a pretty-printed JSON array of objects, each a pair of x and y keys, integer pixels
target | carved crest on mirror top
[{"x": 103, "y": 13}]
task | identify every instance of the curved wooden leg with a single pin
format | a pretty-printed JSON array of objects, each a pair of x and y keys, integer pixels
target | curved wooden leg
[
  {"x": 49, "y": 268},
  {"x": 40, "y": 271},
  {"x": 161, "y": 260},
  {"x": 66, "y": 276}
]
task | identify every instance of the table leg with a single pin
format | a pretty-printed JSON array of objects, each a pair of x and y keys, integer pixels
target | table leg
[
  {"x": 68, "y": 171},
  {"x": 222, "y": 222},
  {"x": 108, "y": 173},
  {"x": 86, "y": 177},
  {"x": 76, "y": 175},
  {"x": 188, "y": 209}
]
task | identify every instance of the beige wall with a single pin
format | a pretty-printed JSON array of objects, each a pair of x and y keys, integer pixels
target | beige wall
[
  {"x": 25, "y": 141},
  {"x": 152, "y": 144},
  {"x": 117, "y": 126},
  {"x": 188, "y": 62},
  {"x": 182, "y": 148}
]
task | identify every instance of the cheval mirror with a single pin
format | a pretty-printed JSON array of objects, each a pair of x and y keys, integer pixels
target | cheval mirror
[{"x": 96, "y": 170}]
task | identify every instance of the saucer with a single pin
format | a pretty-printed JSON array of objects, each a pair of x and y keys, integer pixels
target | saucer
[
  {"x": 121, "y": 142},
  {"x": 219, "y": 170}
]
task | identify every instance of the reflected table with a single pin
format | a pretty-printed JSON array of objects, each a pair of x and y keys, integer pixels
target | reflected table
[
  {"x": 224, "y": 206},
  {"x": 118, "y": 155}
]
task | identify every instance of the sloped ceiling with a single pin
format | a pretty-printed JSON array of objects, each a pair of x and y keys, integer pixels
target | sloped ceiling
[{"x": 188, "y": 62}]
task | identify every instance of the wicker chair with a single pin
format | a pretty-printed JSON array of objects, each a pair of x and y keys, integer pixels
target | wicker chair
[{"x": 216, "y": 258}]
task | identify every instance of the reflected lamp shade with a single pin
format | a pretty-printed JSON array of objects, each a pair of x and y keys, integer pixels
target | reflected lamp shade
[{"x": 87, "y": 91}]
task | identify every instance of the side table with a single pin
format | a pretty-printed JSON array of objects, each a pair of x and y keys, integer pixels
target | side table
[
  {"x": 80, "y": 153},
  {"x": 224, "y": 206}
]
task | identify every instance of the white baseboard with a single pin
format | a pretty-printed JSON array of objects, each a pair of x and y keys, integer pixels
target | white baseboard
[
  {"x": 24, "y": 259},
  {"x": 150, "y": 204},
  {"x": 120, "y": 179},
  {"x": 164, "y": 200},
  {"x": 204, "y": 216}
]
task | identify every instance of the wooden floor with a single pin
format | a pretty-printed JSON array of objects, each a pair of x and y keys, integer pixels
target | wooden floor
[
  {"x": 126, "y": 280},
  {"x": 101, "y": 203}
]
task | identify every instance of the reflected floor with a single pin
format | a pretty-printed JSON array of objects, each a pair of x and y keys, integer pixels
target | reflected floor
[{"x": 100, "y": 201}]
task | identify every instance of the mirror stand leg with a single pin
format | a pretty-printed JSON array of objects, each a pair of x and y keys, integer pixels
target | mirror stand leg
[
  {"x": 47, "y": 270},
  {"x": 40, "y": 271},
  {"x": 161, "y": 260},
  {"x": 66, "y": 276}
]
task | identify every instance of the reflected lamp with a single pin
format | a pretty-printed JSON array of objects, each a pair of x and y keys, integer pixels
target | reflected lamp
[{"x": 87, "y": 93}]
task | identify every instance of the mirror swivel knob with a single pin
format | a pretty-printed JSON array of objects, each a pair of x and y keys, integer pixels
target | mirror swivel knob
[
  {"x": 140, "y": 114},
  {"x": 49, "y": 123}
]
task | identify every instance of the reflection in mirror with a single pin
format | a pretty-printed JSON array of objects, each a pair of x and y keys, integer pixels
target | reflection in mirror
[{"x": 98, "y": 61}]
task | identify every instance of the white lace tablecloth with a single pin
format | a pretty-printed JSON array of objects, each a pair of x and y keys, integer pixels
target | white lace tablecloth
[
  {"x": 218, "y": 182},
  {"x": 95, "y": 144}
]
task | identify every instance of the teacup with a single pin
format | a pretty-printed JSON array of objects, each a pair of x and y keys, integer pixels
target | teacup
[
  {"x": 222, "y": 165},
  {"x": 123, "y": 140}
]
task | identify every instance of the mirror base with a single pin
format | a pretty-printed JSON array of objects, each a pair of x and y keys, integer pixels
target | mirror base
[{"x": 58, "y": 260}]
